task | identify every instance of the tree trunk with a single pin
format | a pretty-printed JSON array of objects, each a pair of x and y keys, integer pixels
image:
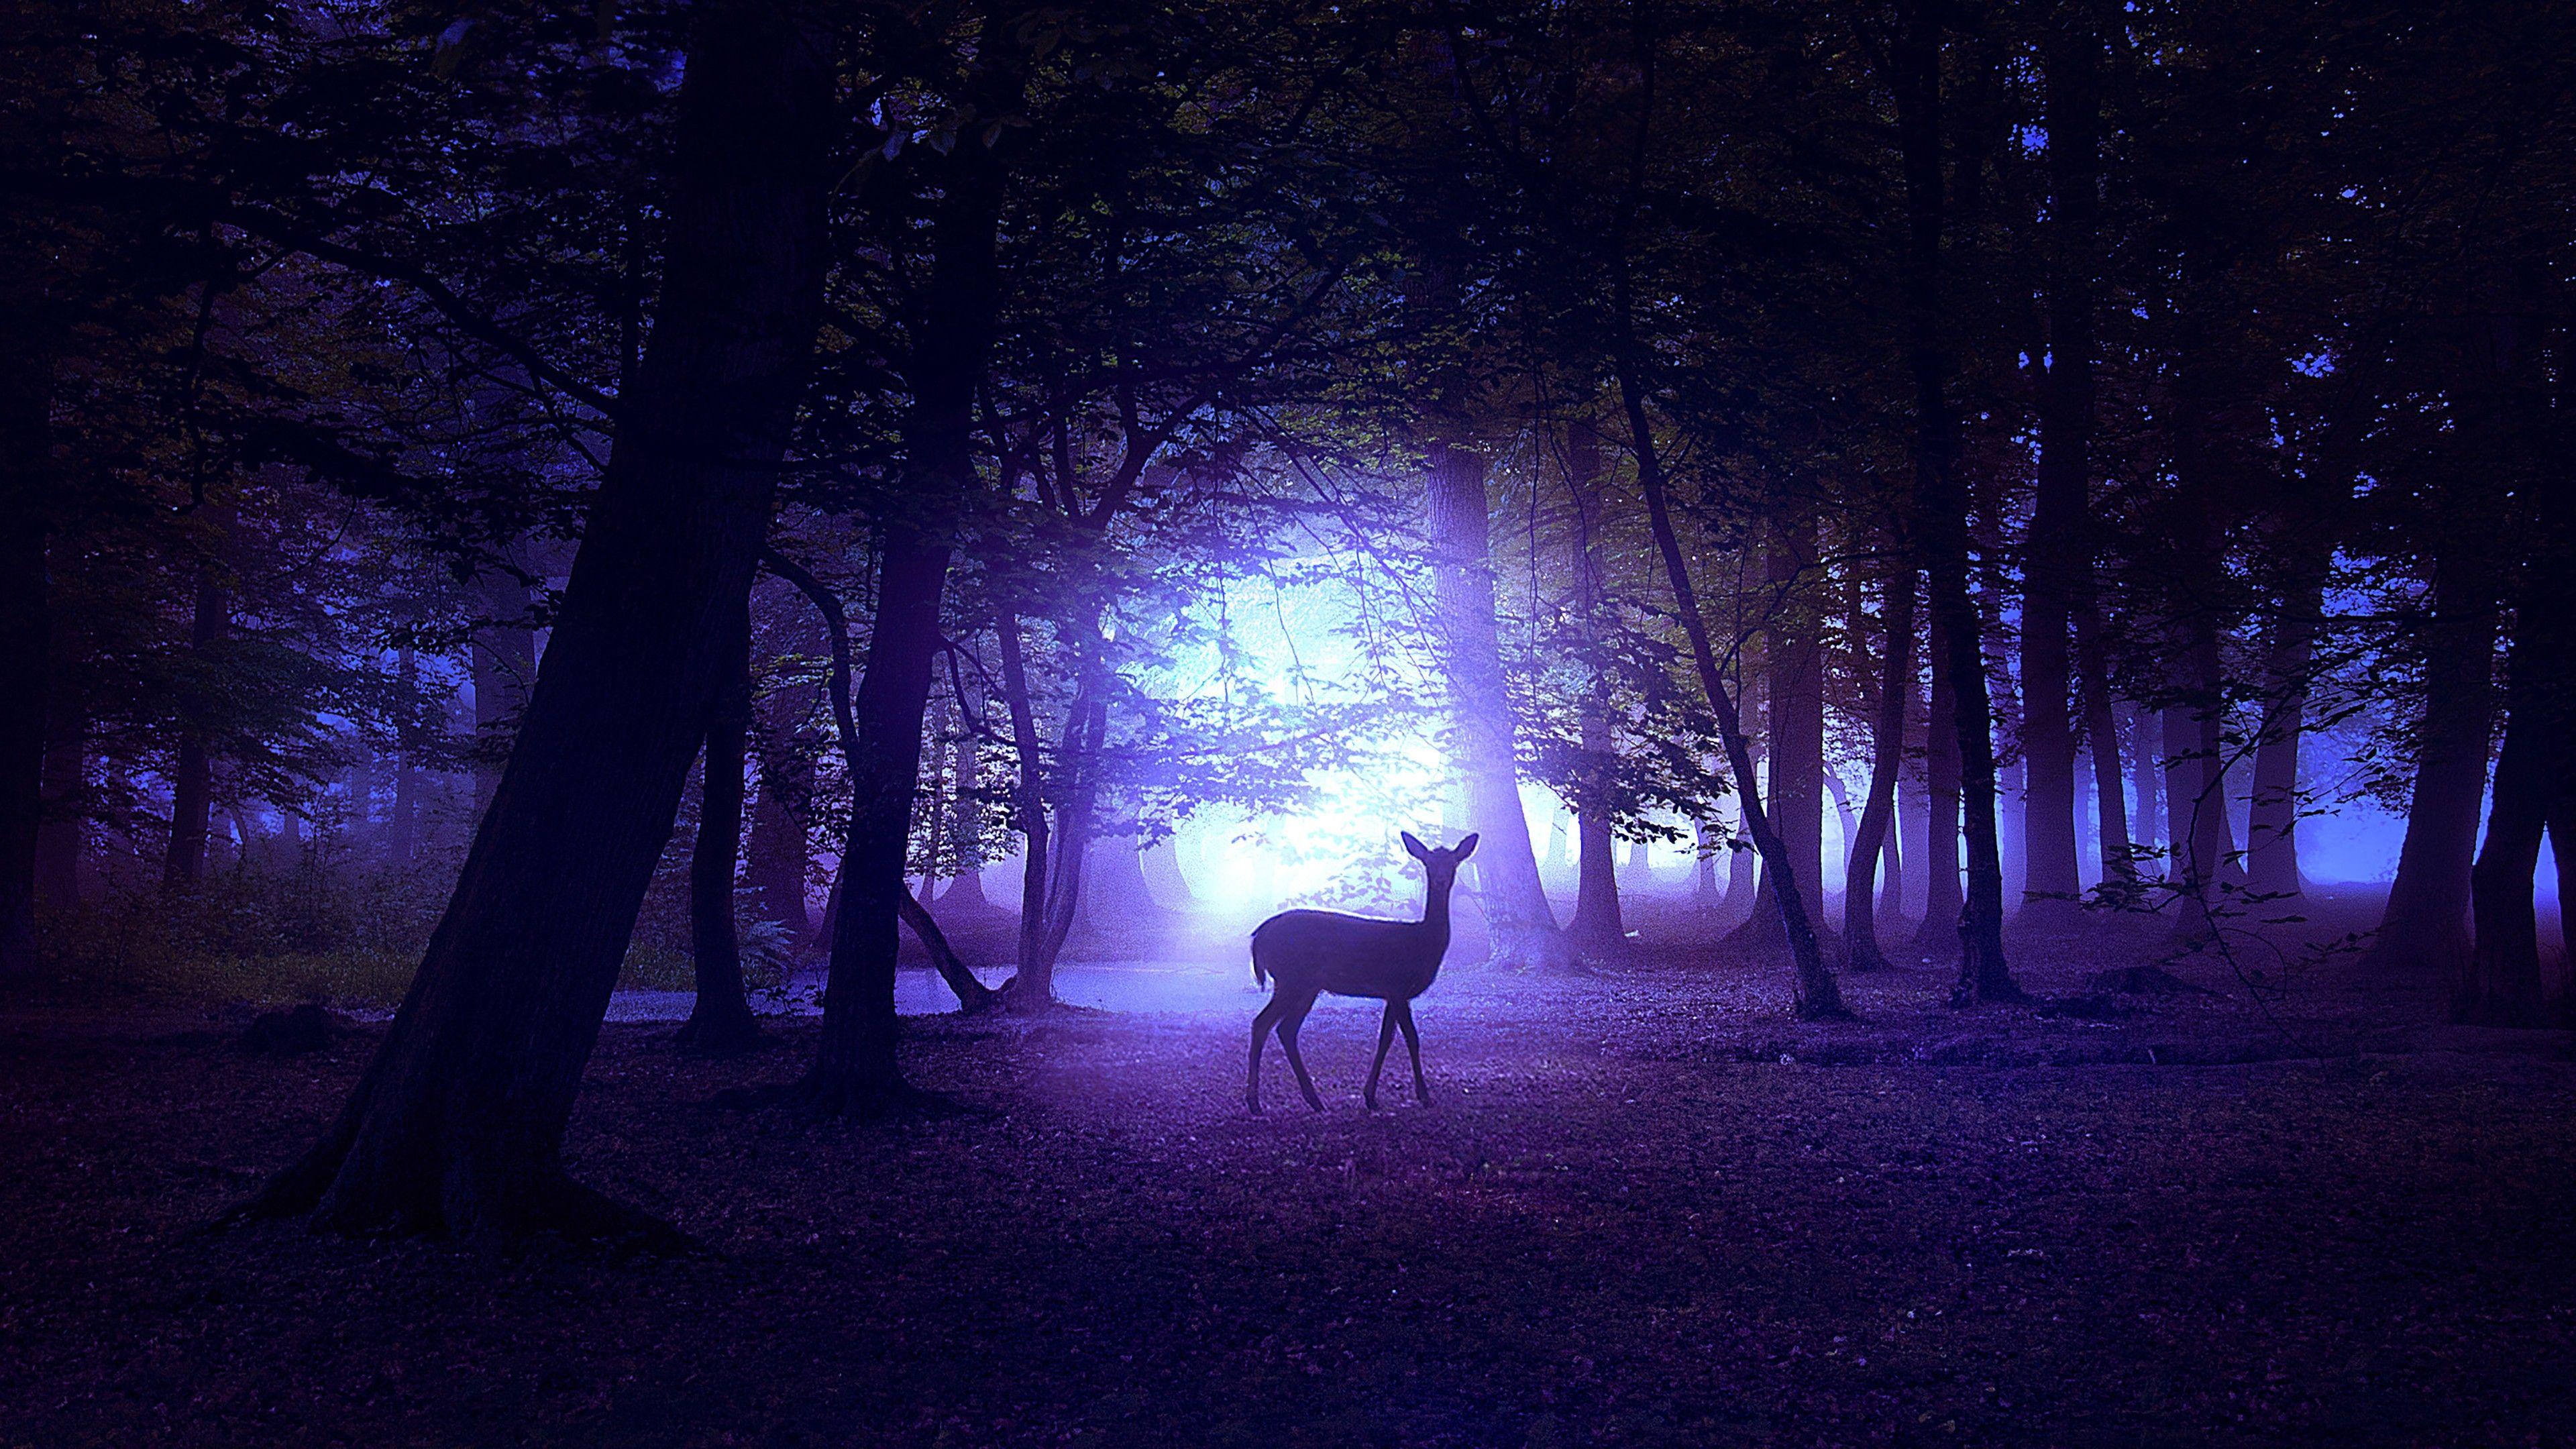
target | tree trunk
[
  {"x": 1891, "y": 889},
  {"x": 31, "y": 334},
  {"x": 1983, "y": 974},
  {"x": 1797, "y": 660},
  {"x": 1942, "y": 899},
  {"x": 504, "y": 665},
  {"x": 61, "y": 838},
  {"x": 2272, "y": 824},
  {"x": 2146, "y": 770},
  {"x": 2060, "y": 535},
  {"x": 458, "y": 1123},
  {"x": 2101, "y": 727},
  {"x": 1704, "y": 889},
  {"x": 1887, "y": 757},
  {"x": 1817, "y": 996},
  {"x": 2498, "y": 982},
  {"x": 2424, "y": 926},
  {"x": 1596, "y": 930},
  {"x": 1165, "y": 885},
  {"x": 776, "y": 849},
  {"x": 183, "y": 866},
  {"x": 1518, "y": 918},
  {"x": 26, "y": 634},
  {"x": 720, "y": 1022}
]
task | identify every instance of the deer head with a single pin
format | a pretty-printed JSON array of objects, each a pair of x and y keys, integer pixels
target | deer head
[{"x": 1439, "y": 867}]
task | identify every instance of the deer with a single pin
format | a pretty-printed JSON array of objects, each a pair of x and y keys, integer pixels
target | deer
[{"x": 1303, "y": 954}]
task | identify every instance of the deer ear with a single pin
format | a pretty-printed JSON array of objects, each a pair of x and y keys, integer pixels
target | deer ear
[
  {"x": 1459, "y": 852},
  {"x": 1413, "y": 847}
]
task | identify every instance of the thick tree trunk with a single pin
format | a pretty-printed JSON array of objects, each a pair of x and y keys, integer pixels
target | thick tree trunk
[
  {"x": 2060, "y": 535},
  {"x": 1887, "y": 758},
  {"x": 1983, "y": 974},
  {"x": 2424, "y": 926},
  {"x": 1518, "y": 919},
  {"x": 1597, "y": 929},
  {"x": 183, "y": 865},
  {"x": 32, "y": 323},
  {"x": 720, "y": 1022},
  {"x": 1795, "y": 656},
  {"x": 458, "y": 1123},
  {"x": 2498, "y": 982}
]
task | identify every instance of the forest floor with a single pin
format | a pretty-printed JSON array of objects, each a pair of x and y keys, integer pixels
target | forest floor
[{"x": 1645, "y": 1208}]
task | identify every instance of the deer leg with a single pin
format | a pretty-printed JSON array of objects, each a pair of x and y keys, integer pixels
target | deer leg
[
  {"x": 1403, "y": 1012},
  {"x": 1385, "y": 1039},
  {"x": 1288, "y": 1025},
  {"x": 1267, "y": 1018}
]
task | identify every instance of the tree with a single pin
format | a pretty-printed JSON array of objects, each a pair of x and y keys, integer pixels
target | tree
[{"x": 457, "y": 1125}]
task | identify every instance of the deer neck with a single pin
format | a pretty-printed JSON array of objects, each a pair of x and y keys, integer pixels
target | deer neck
[{"x": 1435, "y": 918}]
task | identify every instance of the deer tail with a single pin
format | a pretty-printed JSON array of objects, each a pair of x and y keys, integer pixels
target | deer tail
[{"x": 1260, "y": 973}]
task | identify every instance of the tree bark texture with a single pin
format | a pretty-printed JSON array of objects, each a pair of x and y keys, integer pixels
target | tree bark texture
[
  {"x": 2424, "y": 926},
  {"x": 504, "y": 666},
  {"x": 457, "y": 1125}
]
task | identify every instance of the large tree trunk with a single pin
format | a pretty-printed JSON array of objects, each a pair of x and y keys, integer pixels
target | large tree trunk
[
  {"x": 1983, "y": 974},
  {"x": 1887, "y": 757},
  {"x": 2424, "y": 926},
  {"x": 720, "y": 1022},
  {"x": 2060, "y": 536},
  {"x": 2498, "y": 982},
  {"x": 458, "y": 1123},
  {"x": 1596, "y": 929},
  {"x": 192, "y": 779},
  {"x": 1518, "y": 919},
  {"x": 1794, "y": 653}
]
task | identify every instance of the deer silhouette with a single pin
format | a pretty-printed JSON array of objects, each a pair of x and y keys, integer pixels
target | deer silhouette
[{"x": 1306, "y": 953}]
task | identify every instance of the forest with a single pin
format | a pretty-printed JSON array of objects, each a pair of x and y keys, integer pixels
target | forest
[{"x": 678, "y": 676}]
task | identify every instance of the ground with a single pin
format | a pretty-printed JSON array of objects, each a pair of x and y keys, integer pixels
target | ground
[{"x": 1644, "y": 1208}]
